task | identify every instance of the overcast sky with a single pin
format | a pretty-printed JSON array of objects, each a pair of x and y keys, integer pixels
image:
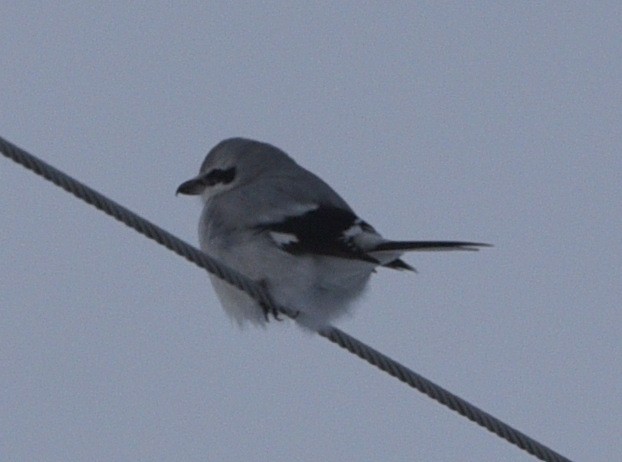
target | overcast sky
[{"x": 487, "y": 121}]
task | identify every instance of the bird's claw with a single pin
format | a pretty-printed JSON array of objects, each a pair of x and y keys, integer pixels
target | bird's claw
[
  {"x": 272, "y": 310},
  {"x": 269, "y": 309}
]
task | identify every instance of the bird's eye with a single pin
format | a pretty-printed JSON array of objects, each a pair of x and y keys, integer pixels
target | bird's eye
[{"x": 219, "y": 176}]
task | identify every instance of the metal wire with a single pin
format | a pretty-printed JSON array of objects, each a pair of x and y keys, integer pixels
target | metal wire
[{"x": 240, "y": 281}]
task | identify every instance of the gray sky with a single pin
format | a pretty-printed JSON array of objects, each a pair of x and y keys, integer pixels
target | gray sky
[{"x": 481, "y": 121}]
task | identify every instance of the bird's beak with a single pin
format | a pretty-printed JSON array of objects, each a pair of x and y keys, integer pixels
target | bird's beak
[{"x": 192, "y": 187}]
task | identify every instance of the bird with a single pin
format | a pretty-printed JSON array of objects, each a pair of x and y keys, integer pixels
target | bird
[{"x": 282, "y": 226}]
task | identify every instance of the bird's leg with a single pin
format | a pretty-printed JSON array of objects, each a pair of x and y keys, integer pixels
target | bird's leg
[{"x": 268, "y": 310}]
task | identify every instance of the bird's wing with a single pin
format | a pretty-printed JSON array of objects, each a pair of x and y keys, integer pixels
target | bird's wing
[
  {"x": 337, "y": 232},
  {"x": 323, "y": 230}
]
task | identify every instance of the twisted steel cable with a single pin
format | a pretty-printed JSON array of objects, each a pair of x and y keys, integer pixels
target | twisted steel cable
[{"x": 351, "y": 344}]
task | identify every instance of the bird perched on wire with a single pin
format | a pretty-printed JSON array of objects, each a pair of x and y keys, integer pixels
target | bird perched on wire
[{"x": 282, "y": 226}]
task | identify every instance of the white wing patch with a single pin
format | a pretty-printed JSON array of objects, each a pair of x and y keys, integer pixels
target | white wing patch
[
  {"x": 364, "y": 238},
  {"x": 353, "y": 230},
  {"x": 283, "y": 239}
]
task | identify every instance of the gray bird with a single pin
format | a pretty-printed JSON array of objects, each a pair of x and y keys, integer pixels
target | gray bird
[{"x": 282, "y": 226}]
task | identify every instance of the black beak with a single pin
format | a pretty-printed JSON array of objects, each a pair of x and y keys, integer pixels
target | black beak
[
  {"x": 197, "y": 185},
  {"x": 192, "y": 187}
]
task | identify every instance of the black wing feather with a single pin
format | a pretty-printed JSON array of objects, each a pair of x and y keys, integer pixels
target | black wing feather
[{"x": 321, "y": 232}]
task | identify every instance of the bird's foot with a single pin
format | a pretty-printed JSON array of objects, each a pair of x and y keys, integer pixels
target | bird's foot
[
  {"x": 266, "y": 308},
  {"x": 268, "y": 311}
]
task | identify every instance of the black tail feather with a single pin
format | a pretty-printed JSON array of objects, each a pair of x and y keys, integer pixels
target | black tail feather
[
  {"x": 399, "y": 264},
  {"x": 428, "y": 246}
]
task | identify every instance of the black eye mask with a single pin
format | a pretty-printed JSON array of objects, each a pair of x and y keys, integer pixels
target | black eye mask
[
  {"x": 219, "y": 176},
  {"x": 212, "y": 178}
]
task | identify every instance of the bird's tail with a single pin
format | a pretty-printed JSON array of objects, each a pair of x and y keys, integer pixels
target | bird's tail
[
  {"x": 425, "y": 246},
  {"x": 387, "y": 253}
]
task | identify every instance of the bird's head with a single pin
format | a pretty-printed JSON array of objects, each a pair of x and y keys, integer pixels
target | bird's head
[{"x": 233, "y": 162}]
